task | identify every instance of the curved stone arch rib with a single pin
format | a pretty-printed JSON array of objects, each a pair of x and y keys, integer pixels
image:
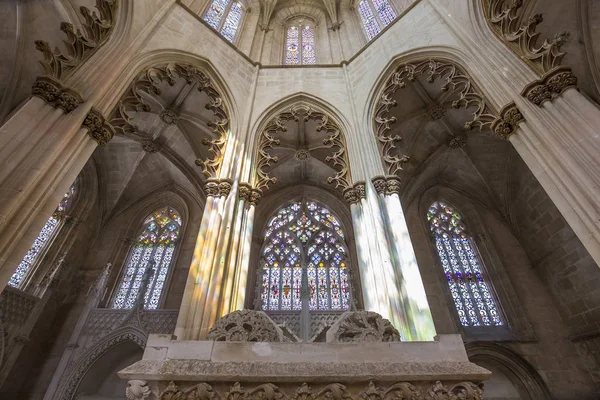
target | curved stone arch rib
[
  {"x": 505, "y": 17},
  {"x": 525, "y": 372},
  {"x": 335, "y": 140},
  {"x": 147, "y": 83},
  {"x": 455, "y": 81},
  {"x": 87, "y": 360},
  {"x": 80, "y": 44}
]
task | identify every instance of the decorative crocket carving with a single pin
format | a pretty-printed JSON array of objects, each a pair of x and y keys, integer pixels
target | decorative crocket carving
[
  {"x": 455, "y": 81},
  {"x": 55, "y": 94},
  {"x": 503, "y": 17},
  {"x": 362, "y": 326},
  {"x": 246, "y": 326},
  {"x": 98, "y": 129},
  {"x": 137, "y": 390},
  {"x": 148, "y": 82},
  {"x": 80, "y": 44}
]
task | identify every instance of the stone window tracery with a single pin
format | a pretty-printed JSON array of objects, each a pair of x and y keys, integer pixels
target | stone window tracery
[
  {"x": 304, "y": 241},
  {"x": 460, "y": 259},
  {"x": 156, "y": 243},
  {"x": 375, "y": 15},
  {"x": 300, "y": 44},
  {"x": 43, "y": 240},
  {"x": 225, "y": 16}
]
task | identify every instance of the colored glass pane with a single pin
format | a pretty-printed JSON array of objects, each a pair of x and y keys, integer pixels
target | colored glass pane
[
  {"x": 155, "y": 244},
  {"x": 304, "y": 231},
  {"x": 308, "y": 46},
  {"x": 215, "y": 12},
  {"x": 385, "y": 11},
  {"x": 472, "y": 295},
  {"x": 368, "y": 19},
  {"x": 292, "y": 46},
  {"x": 42, "y": 240},
  {"x": 232, "y": 22}
]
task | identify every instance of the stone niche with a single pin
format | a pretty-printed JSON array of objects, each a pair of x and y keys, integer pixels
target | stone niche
[{"x": 378, "y": 368}]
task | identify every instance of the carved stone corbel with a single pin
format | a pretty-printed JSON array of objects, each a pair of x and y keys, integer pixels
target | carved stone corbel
[
  {"x": 98, "y": 128},
  {"x": 508, "y": 122},
  {"x": 54, "y": 93},
  {"x": 550, "y": 86}
]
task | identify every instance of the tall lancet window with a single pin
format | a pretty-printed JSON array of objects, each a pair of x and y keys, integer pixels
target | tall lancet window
[
  {"x": 300, "y": 44},
  {"x": 42, "y": 241},
  {"x": 156, "y": 242},
  {"x": 225, "y": 16},
  {"x": 375, "y": 15},
  {"x": 473, "y": 299},
  {"x": 304, "y": 238}
]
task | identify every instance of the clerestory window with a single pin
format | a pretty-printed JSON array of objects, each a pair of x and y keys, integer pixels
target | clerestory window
[
  {"x": 156, "y": 243},
  {"x": 300, "y": 44},
  {"x": 458, "y": 254},
  {"x": 225, "y": 16},
  {"x": 375, "y": 15},
  {"x": 304, "y": 241}
]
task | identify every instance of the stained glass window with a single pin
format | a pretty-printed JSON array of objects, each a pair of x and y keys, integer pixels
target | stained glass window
[
  {"x": 375, "y": 15},
  {"x": 472, "y": 295},
  {"x": 300, "y": 45},
  {"x": 156, "y": 243},
  {"x": 304, "y": 238},
  {"x": 41, "y": 242},
  {"x": 228, "y": 26}
]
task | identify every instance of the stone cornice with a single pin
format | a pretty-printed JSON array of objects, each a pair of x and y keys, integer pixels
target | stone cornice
[
  {"x": 98, "y": 128},
  {"x": 550, "y": 86},
  {"x": 55, "y": 94}
]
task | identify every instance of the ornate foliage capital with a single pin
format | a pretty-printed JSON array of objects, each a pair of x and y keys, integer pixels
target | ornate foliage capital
[
  {"x": 225, "y": 186},
  {"x": 387, "y": 185},
  {"x": 351, "y": 196},
  {"x": 98, "y": 128},
  {"x": 245, "y": 326},
  {"x": 380, "y": 184},
  {"x": 507, "y": 123},
  {"x": 244, "y": 191},
  {"x": 362, "y": 326},
  {"x": 550, "y": 86},
  {"x": 137, "y": 390},
  {"x": 55, "y": 94},
  {"x": 255, "y": 196}
]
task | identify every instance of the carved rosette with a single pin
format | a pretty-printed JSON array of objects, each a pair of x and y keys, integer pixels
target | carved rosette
[
  {"x": 169, "y": 117},
  {"x": 150, "y": 146},
  {"x": 147, "y": 84},
  {"x": 98, "y": 128},
  {"x": 137, "y": 390},
  {"x": 436, "y": 112},
  {"x": 54, "y": 93},
  {"x": 504, "y": 17},
  {"x": 550, "y": 86},
  {"x": 458, "y": 142},
  {"x": 454, "y": 81},
  {"x": 245, "y": 326},
  {"x": 80, "y": 43},
  {"x": 329, "y": 391},
  {"x": 362, "y": 326},
  {"x": 506, "y": 125}
]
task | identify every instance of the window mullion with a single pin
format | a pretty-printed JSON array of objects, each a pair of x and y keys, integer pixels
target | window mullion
[
  {"x": 377, "y": 16},
  {"x": 225, "y": 15}
]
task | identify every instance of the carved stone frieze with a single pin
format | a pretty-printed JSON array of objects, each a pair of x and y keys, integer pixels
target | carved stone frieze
[
  {"x": 245, "y": 326},
  {"x": 507, "y": 123},
  {"x": 169, "y": 117},
  {"x": 550, "y": 86},
  {"x": 454, "y": 81},
  {"x": 150, "y": 146},
  {"x": 458, "y": 142},
  {"x": 55, "y": 94},
  {"x": 504, "y": 18},
  {"x": 362, "y": 326},
  {"x": 421, "y": 390},
  {"x": 137, "y": 390},
  {"x": 98, "y": 128},
  {"x": 148, "y": 84},
  {"x": 80, "y": 44}
]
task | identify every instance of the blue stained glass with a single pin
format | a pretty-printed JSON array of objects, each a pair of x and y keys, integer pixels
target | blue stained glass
[
  {"x": 304, "y": 231},
  {"x": 308, "y": 46},
  {"x": 215, "y": 12},
  {"x": 232, "y": 22},
  {"x": 157, "y": 243},
  {"x": 368, "y": 19},
  {"x": 292, "y": 46},
  {"x": 385, "y": 11},
  {"x": 472, "y": 296},
  {"x": 42, "y": 240}
]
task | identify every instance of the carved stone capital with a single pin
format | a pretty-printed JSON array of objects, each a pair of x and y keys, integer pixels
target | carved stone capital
[
  {"x": 550, "y": 86},
  {"x": 98, "y": 128},
  {"x": 336, "y": 26},
  {"x": 350, "y": 196},
  {"x": 380, "y": 184},
  {"x": 245, "y": 326},
  {"x": 225, "y": 187},
  {"x": 255, "y": 196},
  {"x": 137, "y": 390},
  {"x": 150, "y": 146},
  {"x": 55, "y": 94},
  {"x": 361, "y": 190},
  {"x": 211, "y": 188},
  {"x": 393, "y": 185},
  {"x": 458, "y": 142},
  {"x": 169, "y": 117},
  {"x": 244, "y": 192},
  {"x": 507, "y": 123}
]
